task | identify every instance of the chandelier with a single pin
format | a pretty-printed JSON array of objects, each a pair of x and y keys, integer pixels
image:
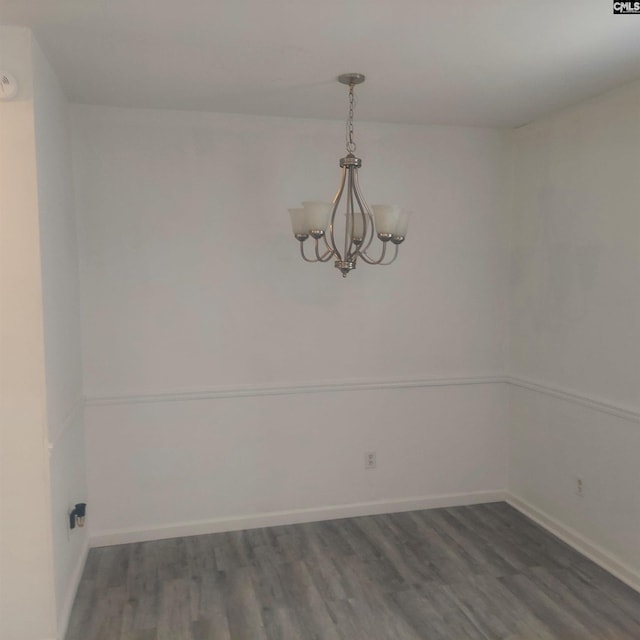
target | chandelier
[{"x": 361, "y": 224}]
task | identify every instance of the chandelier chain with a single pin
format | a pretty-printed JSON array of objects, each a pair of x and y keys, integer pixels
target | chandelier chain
[{"x": 351, "y": 145}]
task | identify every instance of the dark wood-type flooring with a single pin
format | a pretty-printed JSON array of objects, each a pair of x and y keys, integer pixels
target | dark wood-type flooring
[{"x": 481, "y": 572}]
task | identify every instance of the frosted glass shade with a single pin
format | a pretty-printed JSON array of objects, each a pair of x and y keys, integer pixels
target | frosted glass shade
[
  {"x": 299, "y": 221},
  {"x": 401, "y": 224},
  {"x": 358, "y": 226},
  {"x": 318, "y": 214},
  {"x": 386, "y": 217}
]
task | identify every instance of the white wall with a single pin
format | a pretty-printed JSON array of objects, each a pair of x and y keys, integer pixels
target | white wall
[
  {"x": 192, "y": 282},
  {"x": 61, "y": 322},
  {"x": 27, "y": 603},
  {"x": 576, "y": 322}
]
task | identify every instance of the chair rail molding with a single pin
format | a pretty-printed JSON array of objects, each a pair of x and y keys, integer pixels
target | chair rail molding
[
  {"x": 335, "y": 386},
  {"x": 591, "y": 402},
  {"x": 332, "y": 386}
]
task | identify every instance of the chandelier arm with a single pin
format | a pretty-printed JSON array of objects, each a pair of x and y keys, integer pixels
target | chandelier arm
[
  {"x": 319, "y": 258},
  {"x": 380, "y": 260},
  {"x": 350, "y": 221},
  {"x": 336, "y": 202},
  {"x": 395, "y": 255},
  {"x": 326, "y": 244},
  {"x": 348, "y": 232},
  {"x": 325, "y": 256},
  {"x": 369, "y": 226},
  {"x": 355, "y": 246},
  {"x": 302, "y": 253}
]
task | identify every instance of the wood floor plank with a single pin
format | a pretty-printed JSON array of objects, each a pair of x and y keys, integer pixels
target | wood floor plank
[
  {"x": 606, "y": 603},
  {"x": 303, "y": 598},
  {"x": 435, "y": 615},
  {"x": 565, "y": 622},
  {"x": 482, "y": 572},
  {"x": 211, "y": 619},
  {"x": 244, "y": 613},
  {"x": 597, "y": 620}
]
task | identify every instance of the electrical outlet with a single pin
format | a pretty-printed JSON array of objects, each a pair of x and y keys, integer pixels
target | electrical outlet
[
  {"x": 370, "y": 460},
  {"x": 579, "y": 487}
]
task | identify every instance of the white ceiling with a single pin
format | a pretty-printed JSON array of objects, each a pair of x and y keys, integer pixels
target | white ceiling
[{"x": 462, "y": 62}]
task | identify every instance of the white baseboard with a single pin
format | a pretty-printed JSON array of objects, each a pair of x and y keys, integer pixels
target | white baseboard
[
  {"x": 72, "y": 589},
  {"x": 580, "y": 543},
  {"x": 294, "y": 516}
]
